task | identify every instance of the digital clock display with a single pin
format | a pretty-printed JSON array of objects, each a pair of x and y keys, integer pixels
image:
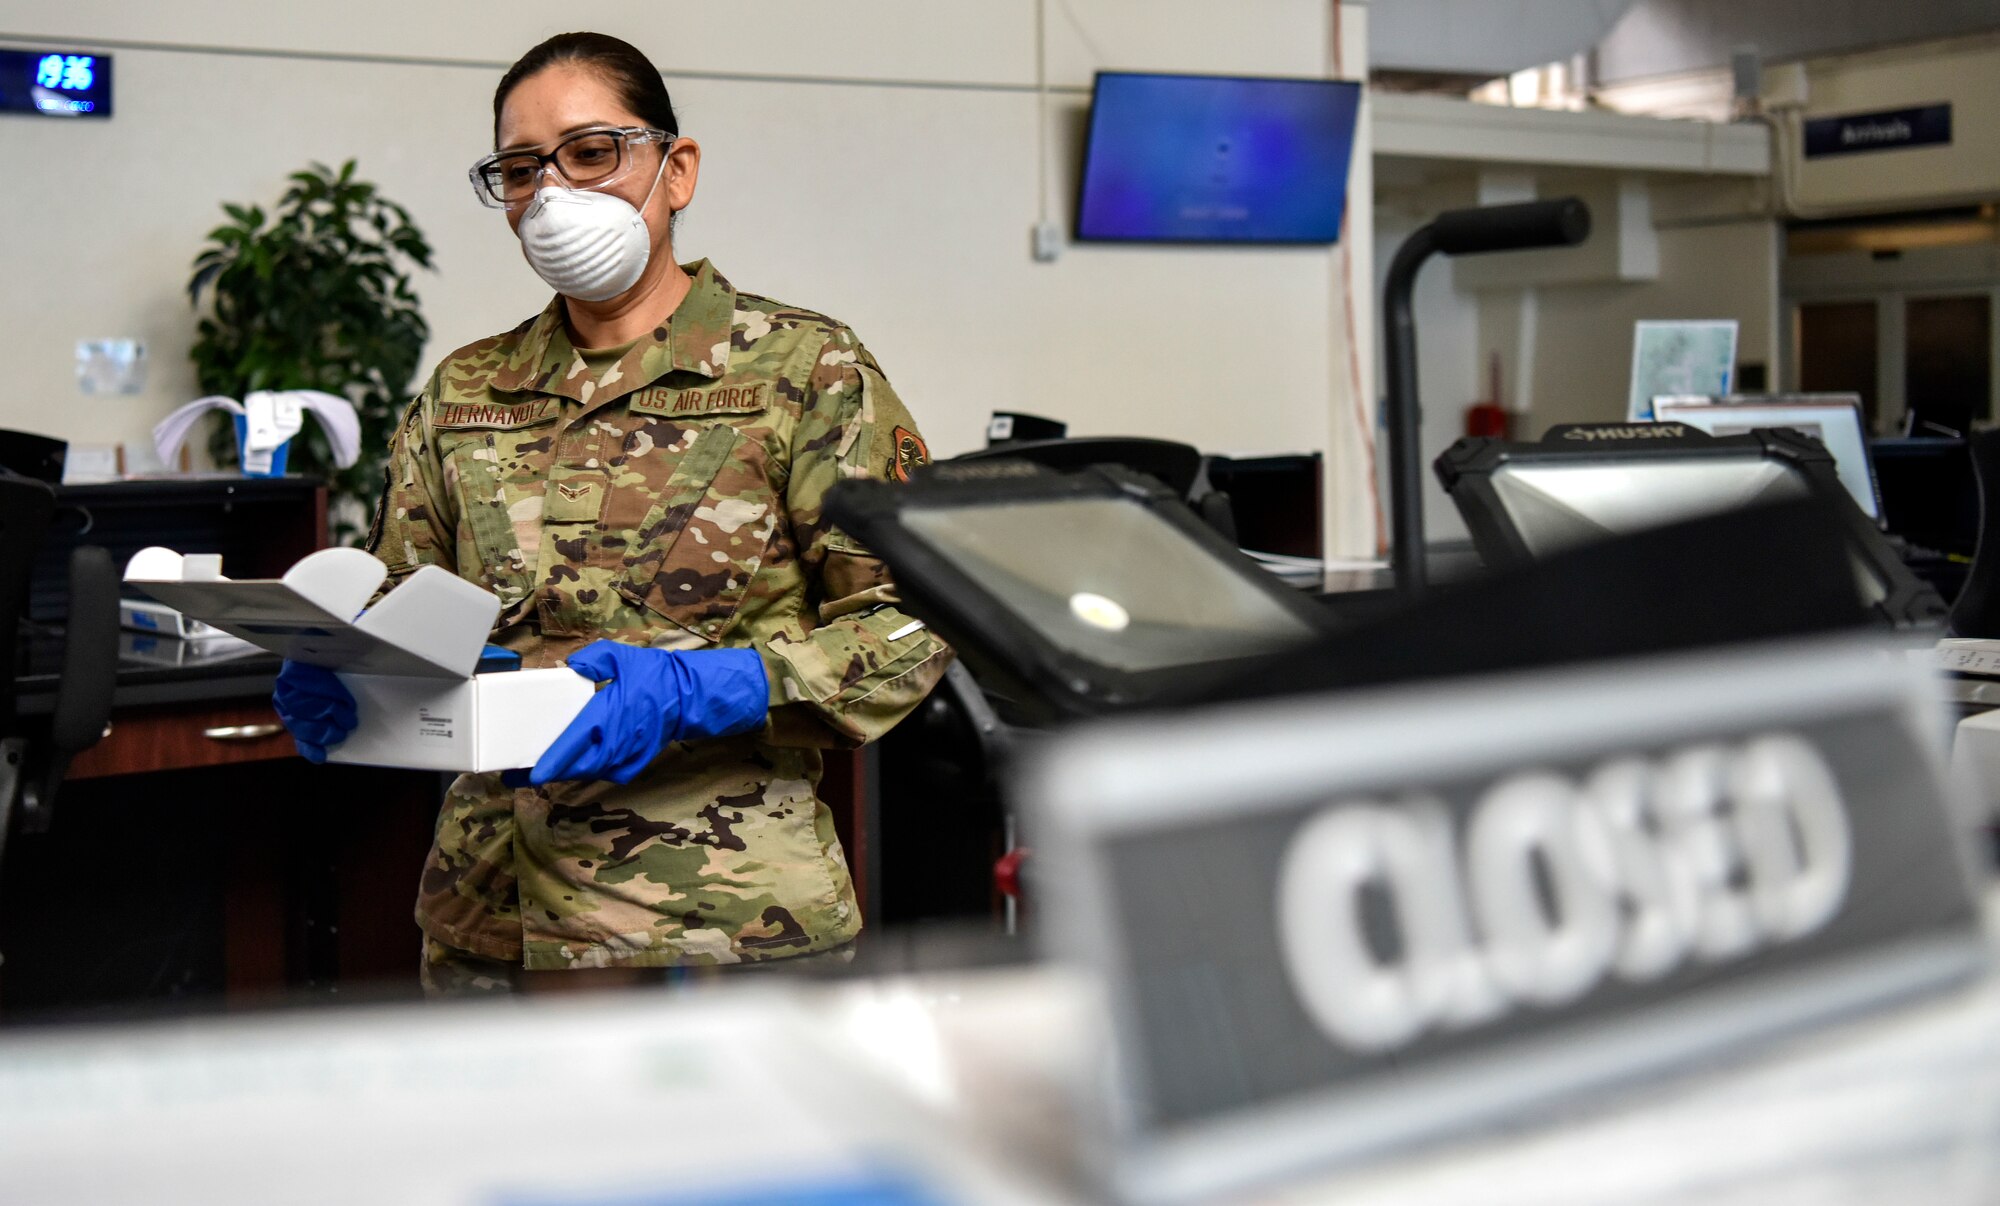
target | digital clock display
[{"x": 55, "y": 83}]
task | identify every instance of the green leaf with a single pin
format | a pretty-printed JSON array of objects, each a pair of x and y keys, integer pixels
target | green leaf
[{"x": 319, "y": 298}]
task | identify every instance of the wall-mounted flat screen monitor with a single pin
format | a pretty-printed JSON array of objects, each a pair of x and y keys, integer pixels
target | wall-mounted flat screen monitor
[{"x": 1216, "y": 159}]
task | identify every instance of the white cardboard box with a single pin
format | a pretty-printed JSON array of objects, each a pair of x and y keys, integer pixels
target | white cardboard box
[{"x": 409, "y": 660}]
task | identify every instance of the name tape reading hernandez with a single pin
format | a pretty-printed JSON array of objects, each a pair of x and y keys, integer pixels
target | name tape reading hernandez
[{"x": 1334, "y": 924}]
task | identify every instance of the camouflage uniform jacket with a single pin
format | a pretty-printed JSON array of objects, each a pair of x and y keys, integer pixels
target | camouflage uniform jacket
[{"x": 671, "y": 501}]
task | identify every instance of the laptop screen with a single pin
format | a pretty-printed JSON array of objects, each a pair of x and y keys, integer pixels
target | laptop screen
[{"x": 1832, "y": 419}]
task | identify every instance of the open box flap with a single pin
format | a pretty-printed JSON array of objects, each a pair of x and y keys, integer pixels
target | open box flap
[
  {"x": 433, "y": 625},
  {"x": 437, "y": 615}
]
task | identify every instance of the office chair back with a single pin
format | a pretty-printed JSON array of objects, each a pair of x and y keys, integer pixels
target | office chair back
[
  {"x": 32, "y": 765},
  {"x": 90, "y": 661},
  {"x": 26, "y": 507},
  {"x": 30, "y": 455},
  {"x": 1176, "y": 465},
  {"x": 33, "y": 760},
  {"x": 1976, "y": 611}
]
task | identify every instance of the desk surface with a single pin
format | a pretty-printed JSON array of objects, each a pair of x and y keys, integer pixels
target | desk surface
[
  {"x": 141, "y": 681},
  {"x": 260, "y": 526}
]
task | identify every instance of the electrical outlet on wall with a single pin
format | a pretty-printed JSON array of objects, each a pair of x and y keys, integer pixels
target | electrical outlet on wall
[{"x": 1046, "y": 238}]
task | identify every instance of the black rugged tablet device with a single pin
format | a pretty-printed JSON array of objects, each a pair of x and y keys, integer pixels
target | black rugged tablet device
[
  {"x": 1583, "y": 483},
  {"x": 1073, "y": 594}
]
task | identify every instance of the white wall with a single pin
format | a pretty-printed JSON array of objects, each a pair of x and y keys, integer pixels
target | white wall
[
  {"x": 1565, "y": 349},
  {"x": 876, "y": 160},
  {"x": 1964, "y": 73},
  {"x": 1583, "y": 347}
]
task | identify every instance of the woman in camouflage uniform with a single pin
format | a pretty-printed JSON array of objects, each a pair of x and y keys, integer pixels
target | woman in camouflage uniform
[{"x": 649, "y": 468}]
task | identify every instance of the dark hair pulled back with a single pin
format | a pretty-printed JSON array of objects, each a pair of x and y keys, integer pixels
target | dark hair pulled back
[{"x": 619, "y": 63}]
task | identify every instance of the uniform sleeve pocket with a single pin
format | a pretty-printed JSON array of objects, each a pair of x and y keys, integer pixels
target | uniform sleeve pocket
[
  {"x": 693, "y": 555},
  {"x": 474, "y": 463}
]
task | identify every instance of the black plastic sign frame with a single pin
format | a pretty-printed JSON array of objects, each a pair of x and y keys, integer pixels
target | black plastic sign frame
[{"x": 1592, "y": 876}]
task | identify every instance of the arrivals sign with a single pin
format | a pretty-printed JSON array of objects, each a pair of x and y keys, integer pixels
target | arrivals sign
[
  {"x": 1894, "y": 129},
  {"x": 1331, "y": 925}
]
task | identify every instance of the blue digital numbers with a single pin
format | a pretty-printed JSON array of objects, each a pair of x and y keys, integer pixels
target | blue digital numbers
[
  {"x": 69, "y": 72},
  {"x": 76, "y": 74}
]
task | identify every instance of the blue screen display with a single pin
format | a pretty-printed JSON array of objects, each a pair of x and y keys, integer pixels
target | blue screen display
[
  {"x": 1205, "y": 159},
  {"x": 55, "y": 83}
]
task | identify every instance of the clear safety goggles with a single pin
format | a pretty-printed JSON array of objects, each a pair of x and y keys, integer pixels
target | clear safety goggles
[{"x": 589, "y": 159}]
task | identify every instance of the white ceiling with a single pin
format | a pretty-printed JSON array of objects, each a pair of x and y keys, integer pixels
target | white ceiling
[
  {"x": 1487, "y": 37},
  {"x": 1666, "y": 37},
  {"x": 1639, "y": 38}
]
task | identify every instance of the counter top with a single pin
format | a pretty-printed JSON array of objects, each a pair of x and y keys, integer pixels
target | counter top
[
  {"x": 957, "y": 1087},
  {"x": 142, "y": 680}
]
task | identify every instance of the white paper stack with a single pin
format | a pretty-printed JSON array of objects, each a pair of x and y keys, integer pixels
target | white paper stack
[{"x": 271, "y": 417}]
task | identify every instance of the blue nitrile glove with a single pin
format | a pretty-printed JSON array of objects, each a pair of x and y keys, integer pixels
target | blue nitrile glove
[
  {"x": 653, "y": 696},
  {"x": 315, "y": 706}
]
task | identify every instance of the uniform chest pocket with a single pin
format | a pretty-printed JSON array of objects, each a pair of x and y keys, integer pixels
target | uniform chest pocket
[{"x": 703, "y": 538}]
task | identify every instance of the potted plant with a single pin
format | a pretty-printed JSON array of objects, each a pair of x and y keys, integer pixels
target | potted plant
[{"x": 315, "y": 295}]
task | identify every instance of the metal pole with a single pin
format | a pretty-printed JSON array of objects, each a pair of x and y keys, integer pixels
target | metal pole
[
  {"x": 1559, "y": 222},
  {"x": 1405, "y": 418}
]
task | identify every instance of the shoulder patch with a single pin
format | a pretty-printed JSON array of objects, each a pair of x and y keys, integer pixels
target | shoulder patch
[{"x": 910, "y": 453}]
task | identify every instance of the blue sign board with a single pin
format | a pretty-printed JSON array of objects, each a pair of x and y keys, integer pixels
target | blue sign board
[
  {"x": 1853, "y": 133},
  {"x": 55, "y": 83}
]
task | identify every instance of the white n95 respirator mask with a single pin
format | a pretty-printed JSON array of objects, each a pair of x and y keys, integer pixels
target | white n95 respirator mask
[{"x": 587, "y": 245}]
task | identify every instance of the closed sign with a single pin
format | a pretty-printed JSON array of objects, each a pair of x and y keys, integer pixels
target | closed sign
[
  {"x": 1332, "y": 925},
  {"x": 1554, "y": 885}
]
